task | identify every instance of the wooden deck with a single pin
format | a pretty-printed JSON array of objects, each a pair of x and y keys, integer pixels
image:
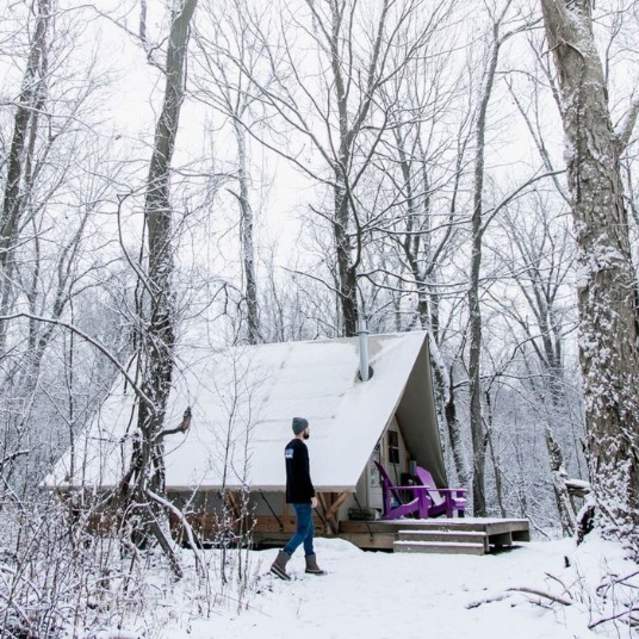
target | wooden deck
[{"x": 476, "y": 536}]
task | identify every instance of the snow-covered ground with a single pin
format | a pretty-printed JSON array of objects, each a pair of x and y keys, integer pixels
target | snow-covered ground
[{"x": 379, "y": 595}]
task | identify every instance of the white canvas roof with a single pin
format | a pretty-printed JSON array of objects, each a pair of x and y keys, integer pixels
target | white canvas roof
[{"x": 243, "y": 400}]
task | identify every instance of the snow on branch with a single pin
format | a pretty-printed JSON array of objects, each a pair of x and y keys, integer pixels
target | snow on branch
[
  {"x": 543, "y": 594},
  {"x": 165, "y": 503},
  {"x": 74, "y": 329},
  {"x": 524, "y": 590}
]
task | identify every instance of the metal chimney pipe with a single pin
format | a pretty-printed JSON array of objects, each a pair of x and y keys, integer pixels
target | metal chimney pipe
[{"x": 363, "y": 350}]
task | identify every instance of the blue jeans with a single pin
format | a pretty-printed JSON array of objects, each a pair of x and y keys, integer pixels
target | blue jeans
[{"x": 304, "y": 532}]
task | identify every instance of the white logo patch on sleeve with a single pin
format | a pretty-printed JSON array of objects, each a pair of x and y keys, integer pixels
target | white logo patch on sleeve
[{"x": 288, "y": 453}]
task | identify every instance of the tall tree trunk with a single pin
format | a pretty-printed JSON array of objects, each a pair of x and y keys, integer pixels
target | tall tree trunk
[
  {"x": 494, "y": 458},
  {"x": 247, "y": 241},
  {"x": 444, "y": 386},
  {"x": 452, "y": 424},
  {"x": 345, "y": 269},
  {"x": 341, "y": 212},
  {"x": 567, "y": 515},
  {"x": 30, "y": 103},
  {"x": 474, "y": 365},
  {"x": 607, "y": 293},
  {"x": 158, "y": 339}
]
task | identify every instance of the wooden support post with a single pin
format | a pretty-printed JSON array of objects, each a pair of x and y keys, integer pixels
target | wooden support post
[
  {"x": 330, "y": 506},
  {"x": 323, "y": 498},
  {"x": 322, "y": 502},
  {"x": 232, "y": 501},
  {"x": 331, "y": 515}
]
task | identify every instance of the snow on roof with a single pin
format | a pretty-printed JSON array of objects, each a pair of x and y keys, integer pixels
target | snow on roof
[{"x": 243, "y": 400}]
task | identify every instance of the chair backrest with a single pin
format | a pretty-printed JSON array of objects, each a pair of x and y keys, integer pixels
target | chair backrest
[
  {"x": 427, "y": 480},
  {"x": 384, "y": 475},
  {"x": 389, "y": 482}
]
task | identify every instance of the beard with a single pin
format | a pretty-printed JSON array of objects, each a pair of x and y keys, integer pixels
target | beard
[{"x": 306, "y": 435}]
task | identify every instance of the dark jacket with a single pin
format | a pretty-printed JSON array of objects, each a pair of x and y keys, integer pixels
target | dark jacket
[{"x": 299, "y": 487}]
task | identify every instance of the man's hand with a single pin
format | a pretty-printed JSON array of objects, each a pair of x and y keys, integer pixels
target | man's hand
[{"x": 313, "y": 502}]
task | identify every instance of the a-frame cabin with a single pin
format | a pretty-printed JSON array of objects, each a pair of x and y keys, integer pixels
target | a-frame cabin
[{"x": 243, "y": 400}]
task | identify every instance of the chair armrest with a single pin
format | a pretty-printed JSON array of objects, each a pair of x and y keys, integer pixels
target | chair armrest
[{"x": 457, "y": 491}]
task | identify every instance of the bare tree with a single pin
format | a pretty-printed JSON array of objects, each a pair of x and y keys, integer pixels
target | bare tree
[
  {"x": 230, "y": 55},
  {"x": 157, "y": 341},
  {"x": 20, "y": 159},
  {"x": 540, "y": 255},
  {"x": 423, "y": 159},
  {"x": 337, "y": 113},
  {"x": 477, "y": 233}
]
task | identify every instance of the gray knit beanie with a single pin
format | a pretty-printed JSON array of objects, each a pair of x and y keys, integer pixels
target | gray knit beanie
[{"x": 299, "y": 425}]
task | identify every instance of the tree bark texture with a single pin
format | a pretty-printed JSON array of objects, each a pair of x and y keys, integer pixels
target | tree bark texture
[{"x": 607, "y": 294}]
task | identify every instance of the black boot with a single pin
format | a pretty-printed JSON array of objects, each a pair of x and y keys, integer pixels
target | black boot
[
  {"x": 279, "y": 565},
  {"x": 311, "y": 566}
]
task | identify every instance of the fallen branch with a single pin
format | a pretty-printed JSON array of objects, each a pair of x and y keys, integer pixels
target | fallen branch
[
  {"x": 480, "y": 602},
  {"x": 510, "y": 591},
  {"x": 541, "y": 593}
]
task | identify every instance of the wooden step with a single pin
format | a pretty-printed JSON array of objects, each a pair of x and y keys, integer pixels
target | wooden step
[
  {"x": 440, "y": 547},
  {"x": 518, "y": 528},
  {"x": 434, "y": 524},
  {"x": 456, "y": 536}
]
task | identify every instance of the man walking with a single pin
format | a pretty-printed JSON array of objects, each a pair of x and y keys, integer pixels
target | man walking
[{"x": 300, "y": 493}]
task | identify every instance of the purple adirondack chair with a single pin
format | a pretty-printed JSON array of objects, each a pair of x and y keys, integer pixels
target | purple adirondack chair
[
  {"x": 442, "y": 500},
  {"x": 418, "y": 504}
]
